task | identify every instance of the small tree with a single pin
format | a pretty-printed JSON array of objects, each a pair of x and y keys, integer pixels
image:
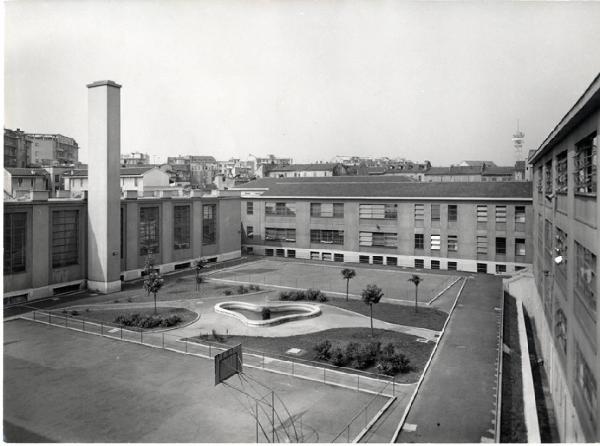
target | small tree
[
  {"x": 153, "y": 282},
  {"x": 200, "y": 263},
  {"x": 372, "y": 294},
  {"x": 348, "y": 274},
  {"x": 416, "y": 280}
]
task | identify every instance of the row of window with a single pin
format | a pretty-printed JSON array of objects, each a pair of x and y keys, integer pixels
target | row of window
[
  {"x": 584, "y": 171},
  {"x": 65, "y": 234}
]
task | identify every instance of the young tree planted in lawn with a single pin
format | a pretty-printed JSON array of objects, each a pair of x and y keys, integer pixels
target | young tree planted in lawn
[
  {"x": 153, "y": 282},
  {"x": 200, "y": 263},
  {"x": 372, "y": 294},
  {"x": 416, "y": 280},
  {"x": 348, "y": 274}
]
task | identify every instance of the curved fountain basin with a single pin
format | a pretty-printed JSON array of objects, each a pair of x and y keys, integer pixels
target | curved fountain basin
[{"x": 294, "y": 312}]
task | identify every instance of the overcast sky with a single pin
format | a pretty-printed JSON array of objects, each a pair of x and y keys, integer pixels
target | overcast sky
[{"x": 309, "y": 80}]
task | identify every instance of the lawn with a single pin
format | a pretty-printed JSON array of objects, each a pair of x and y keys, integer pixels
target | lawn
[
  {"x": 426, "y": 317},
  {"x": 417, "y": 352},
  {"x": 107, "y": 316}
]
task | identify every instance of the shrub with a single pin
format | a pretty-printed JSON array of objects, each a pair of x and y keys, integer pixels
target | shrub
[
  {"x": 74, "y": 313},
  {"x": 217, "y": 337},
  {"x": 396, "y": 363},
  {"x": 242, "y": 289},
  {"x": 388, "y": 350},
  {"x": 227, "y": 292},
  {"x": 254, "y": 288},
  {"x": 322, "y": 298},
  {"x": 297, "y": 295},
  {"x": 323, "y": 350},
  {"x": 338, "y": 357},
  {"x": 116, "y": 301},
  {"x": 312, "y": 294},
  {"x": 351, "y": 351},
  {"x": 129, "y": 299},
  {"x": 284, "y": 295},
  {"x": 265, "y": 313},
  {"x": 366, "y": 355},
  {"x": 147, "y": 321}
]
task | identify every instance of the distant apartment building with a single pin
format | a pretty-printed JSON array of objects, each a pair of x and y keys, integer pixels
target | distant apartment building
[
  {"x": 52, "y": 149},
  {"x": 262, "y": 165},
  {"x": 478, "y": 227},
  {"x": 134, "y": 159},
  {"x": 561, "y": 297},
  {"x": 307, "y": 170},
  {"x": 141, "y": 179},
  {"x": 198, "y": 170},
  {"x": 477, "y": 173},
  {"x": 19, "y": 181},
  {"x": 17, "y": 148}
]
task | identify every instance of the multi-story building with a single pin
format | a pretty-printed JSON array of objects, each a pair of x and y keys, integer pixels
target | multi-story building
[
  {"x": 198, "y": 170},
  {"x": 17, "y": 148},
  {"x": 19, "y": 181},
  {"x": 134, "y": 159},
  {"x": 141, "y": 179},
  {"x": 479, "y": 227},
  {"x": 52, "y": 149},
  {"x": 562, "y": 297},
  {"x": 306, "y": 170},
  {"x": 475, "y": 172}
]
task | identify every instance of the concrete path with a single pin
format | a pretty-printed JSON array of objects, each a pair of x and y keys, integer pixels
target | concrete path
[{"x": 457, "y": 399}]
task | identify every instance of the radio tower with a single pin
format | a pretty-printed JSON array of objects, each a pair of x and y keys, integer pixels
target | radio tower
[{"x": 517, "y": 140}]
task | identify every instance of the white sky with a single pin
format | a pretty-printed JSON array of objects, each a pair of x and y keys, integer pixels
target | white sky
[{"x": 309, "y": 80}]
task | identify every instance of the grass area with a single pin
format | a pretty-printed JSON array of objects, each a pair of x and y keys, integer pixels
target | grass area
[
  {"x": 417, "y": 352},
  {"x": 426, "y": 317},
  {"x": 512, "y": 426},
  {"x": 108, "y": 316}
]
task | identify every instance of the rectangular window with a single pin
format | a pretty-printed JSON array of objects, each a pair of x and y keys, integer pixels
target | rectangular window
[
  {"x": 280, "y": 234},
  {"x": 435, "y": 212},
  {"x": 149, "y": 234},
  {"x": 15, "y": 242},
  {"x": 419, "y": 241},
  {"x": 482, "y": 244},
  {"x": 280, "y": 252},
  {"x": 250, "y": 232},
  {"x": 500, "y": 214},
  {"x": 453, "y": 243},
  {"x": 435, "y": 242},
  {"x": 335, "y": 210},
  {"x": 419, "y": 263},
  {"x": 249, "y": 208},
  {"x": 209, "y": 224},
  {"x": 584, "y": 377},
  {"x": 338, "y": 257},
  {"x": 500, "y": 245},
  {"x": 280, "y": 209},
  {"x": 377, "y": 260},
  {"x": 332, "y": 237},
  {"x": 419, "y": 212},
  {"x": 519, "y": 214},
  {"x": 562, "y": 183},
  {"x": 338, "y": 210},
  {"x": 452, "y": 266},
  {"x": 291, "y": 253},
  {"x": 539, "y": 180},
  {"x": 548, "y": 236},
  {"x": 548, "y": 180},
  {"x": 65, "y": 238},
  {"x": 500, "y": 269},
  {"x": 452, "y": 212},
  {"x": 378, "y": 211},
  {"x": 519, "y": 246},
  {"x": 585, "y": 281},
  {"x": 482, "y": 267},
  {"x": 435, "y": 264},
  {"x": 315, "y": 209},
  {"x": 314, "y": 255},
  {"x": 269, "y": 252},
  {"x": 561, "y": 250},
  {"x": 385, "y": 239},
  {"x": 482, "y": 214},
  {"x": 392, "y": 261},
  {"x": 363, "y": 259},
  {"x": 586, "y": 177},
  {"x": 181, "y": 227}
]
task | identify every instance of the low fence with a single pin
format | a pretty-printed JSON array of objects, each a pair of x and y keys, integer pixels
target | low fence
[{"x": 377, "y": 384}]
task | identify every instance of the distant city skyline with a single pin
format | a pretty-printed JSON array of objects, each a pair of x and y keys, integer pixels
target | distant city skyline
[{"x": 442, "y": 82}]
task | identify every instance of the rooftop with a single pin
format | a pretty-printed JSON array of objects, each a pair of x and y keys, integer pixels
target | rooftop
[
  {"x": 305, "y": 167},
  {"x": 124, "y": 171},
  {"x": 25, "y": 172}
]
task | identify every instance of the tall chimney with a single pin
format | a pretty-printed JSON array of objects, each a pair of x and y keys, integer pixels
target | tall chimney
[{"x": 104, "y": 201}]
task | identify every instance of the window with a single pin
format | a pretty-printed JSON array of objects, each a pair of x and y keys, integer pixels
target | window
[
  {"x": 482, "y": 267},
  {"x": 500, "y": 269},
  {"x": 250, "y": 208},
  {"x": 585, "y": 281},
  {"x": 291, "y": 253},
  {"x": 15, "y": 242},
  {"x": 586, "y": 178},
  {"x": 280, "y": 252},
  {"x": 392, "y": 261},
  {"x": 314, "y": 255},
  {"x": 500, "y": 214},
  {"x": 181, "y": 227},
  {"x": 482, "y": 213},
  {"x": 385, "y": 239},
  {"x": 548, "y": 177},
  {"x": 500, "y": 245},
  {"x": 539, "y": 181},
  {"x": 209, "y": 224},
  {"x": 149, "y": 231},
  {"x": 377, "y": 260},
  {"x": 561, "y": 249},
  {"x": 280, "y": 234},
  {"x": 363, "y": 259},
  {"x": 269, "y": 252},
  {"x": 519, "y": 214},
  {"x": 452, "y": 266},
  {"x": 435, "y": 264},
  {"x": 419, "y": 213},
  {"x": 338, "y": 257},
  {"x": 584, "y": 377},
  {"x": 435, "y": 242},
  {"x": 327, "y": 210},
  {"x": 419, "y": 241},
  {"x": 332, "y": 237},
  {"x": 560, "y": 329},
  {"x": 65, "y": 238},
  {"x": 379, "y": 211},
  {"x": 548, "y": 236},
  {"x": 562, "y": 185},
  {"x": 435, "y": 212},
  {"x": 453, "y": 243},
  {"x": 419, "y": 263},
  {"x": 452, "y": 212},
  {"x": 250, "y": 232},
  {"x": 519, "y": 246},
  {"x": 280, "y": 209},
  {"x": 482, "y": 244}
]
